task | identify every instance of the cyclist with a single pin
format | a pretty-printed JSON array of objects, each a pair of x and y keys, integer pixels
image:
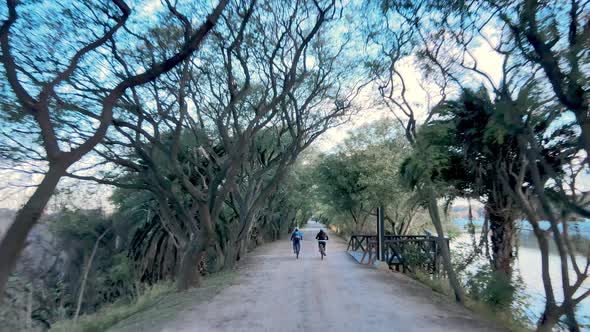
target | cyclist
[
  {"x": 296, "y": 237},
  {"x": 322, "y": 237}
]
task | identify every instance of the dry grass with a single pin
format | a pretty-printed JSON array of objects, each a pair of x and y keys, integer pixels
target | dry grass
[{"x": 151, "y": 310}]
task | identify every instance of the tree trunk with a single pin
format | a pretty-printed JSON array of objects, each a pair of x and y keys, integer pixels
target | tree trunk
[
  {"x": 236, "y": 251},
  {"x": 189, "y": 275},
  {"x": 243, "y": 246},
  {"x": 570, "y": 314},
  {"x": 502, "y": 236},
  {"x": 484, "y": 236},
  {"x": 548, "y": 320},
  {"x": 442, "y": 243},
  {"x": 584, "y": 121},
  {"x": 188, "y": 272},
  {"x": 551, "y": 314},
  {"x": 231, "y": 253},
  {"x": 15, "y": 238},
  {"x": 230, "y": 250},
  {"x": 85, "y": 277}
]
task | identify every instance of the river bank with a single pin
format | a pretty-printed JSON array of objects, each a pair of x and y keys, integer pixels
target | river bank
[{"x": 529, "y": 296}]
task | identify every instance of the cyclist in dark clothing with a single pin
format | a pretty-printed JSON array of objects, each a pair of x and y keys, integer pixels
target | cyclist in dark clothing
[{"x": 322, "y": 237}]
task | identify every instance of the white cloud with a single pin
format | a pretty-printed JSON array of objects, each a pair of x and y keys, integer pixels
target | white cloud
[{"x": 151, "y": 8}]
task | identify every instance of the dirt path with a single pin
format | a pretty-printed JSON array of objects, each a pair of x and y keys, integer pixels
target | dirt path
[{"x": 276, "y": 292}]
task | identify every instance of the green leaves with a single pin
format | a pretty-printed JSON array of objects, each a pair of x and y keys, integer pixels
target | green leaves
[
  {"x": 79, "y": 228},
  {"x": 459, "y": 150},
  {"x": 363, "y": 175}
]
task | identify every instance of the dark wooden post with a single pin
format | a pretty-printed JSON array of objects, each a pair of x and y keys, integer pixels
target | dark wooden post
[
  {"x": 436, "y": 256},
  {"x": 380, "y": 235}
]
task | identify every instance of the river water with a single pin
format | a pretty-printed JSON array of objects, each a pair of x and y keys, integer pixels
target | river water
[{"x": 527, "y": 268}]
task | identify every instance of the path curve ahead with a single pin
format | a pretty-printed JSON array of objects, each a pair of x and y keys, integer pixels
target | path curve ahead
[{"x": 276, "y": 292}]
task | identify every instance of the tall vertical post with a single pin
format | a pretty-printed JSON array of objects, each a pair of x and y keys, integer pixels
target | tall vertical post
[{"x": 380, "y": 234}]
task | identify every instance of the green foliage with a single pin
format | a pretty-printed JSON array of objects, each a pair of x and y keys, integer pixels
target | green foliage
[
  {"x": 473, "y": 142},
  {"x": 12, "y": 311},
  {"x": 493, "y": 289},
  {"x": 513, "y": 318},
  {"x": 79, "y": 228},
  {"x": 339, "y": 182},
  {"x": 414, "y": 256},
  {"x": 364, "y": 174},
  {"x": 490, "y": 287},
  {"x": 110, "y": 315},
  {"x": 155, "y": 306},
  {"x": 448, "y": 145},
  {"x": 110, "y": 278},
  {"x": 293, "y": 204}
]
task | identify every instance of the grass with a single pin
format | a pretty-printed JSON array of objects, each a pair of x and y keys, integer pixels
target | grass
[
  {"x": 501, "y": 318},
  {"x": 151, "y": 310}
]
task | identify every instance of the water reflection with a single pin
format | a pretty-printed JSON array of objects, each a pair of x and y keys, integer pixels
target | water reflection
[
  {"x": 527, "y": 269},
  {"x": 528, "y": 265}
]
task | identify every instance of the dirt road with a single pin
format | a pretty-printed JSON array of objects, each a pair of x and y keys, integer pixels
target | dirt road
[{"x": 276, "y": 292}]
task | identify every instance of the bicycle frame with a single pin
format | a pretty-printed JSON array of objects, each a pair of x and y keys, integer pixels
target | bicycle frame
[
  {"x": 297, "y": 249},
  {"x": 322, "y": 247}
]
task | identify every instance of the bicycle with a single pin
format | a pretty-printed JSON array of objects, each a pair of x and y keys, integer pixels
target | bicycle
[{"x": 322, "y": 246}]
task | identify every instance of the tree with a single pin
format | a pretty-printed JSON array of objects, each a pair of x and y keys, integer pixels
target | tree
[
  {"x": 191, "y": 144},
  {"x": 54, "y": 107},
  {"x": 338, "y": 185},
  {"x": 397, "y": 33},
  {"x": 461, "y": 129},
  {"x": 363, "y": 175},
  {"x": 476, "y": 148},
  {"x": 545, "y": 187},
  {"x": 540, "y": 44},
  {"x": 553, "y": 35}
]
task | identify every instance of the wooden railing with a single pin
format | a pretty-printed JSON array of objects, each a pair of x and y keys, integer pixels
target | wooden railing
[{"x": 405, "y": 251}]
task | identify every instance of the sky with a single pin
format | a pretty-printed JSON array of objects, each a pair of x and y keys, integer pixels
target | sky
[{"x": 488, "y": 60}]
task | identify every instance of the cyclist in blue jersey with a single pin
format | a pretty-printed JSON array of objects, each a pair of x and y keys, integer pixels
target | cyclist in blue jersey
[{"x": 296, "y": 238}]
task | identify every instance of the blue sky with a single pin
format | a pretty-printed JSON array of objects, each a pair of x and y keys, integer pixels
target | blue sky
[{"x": 147, "y": 12}]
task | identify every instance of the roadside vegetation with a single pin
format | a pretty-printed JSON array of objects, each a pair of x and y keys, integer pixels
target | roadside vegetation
[{"x": 156, "y": 306}]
